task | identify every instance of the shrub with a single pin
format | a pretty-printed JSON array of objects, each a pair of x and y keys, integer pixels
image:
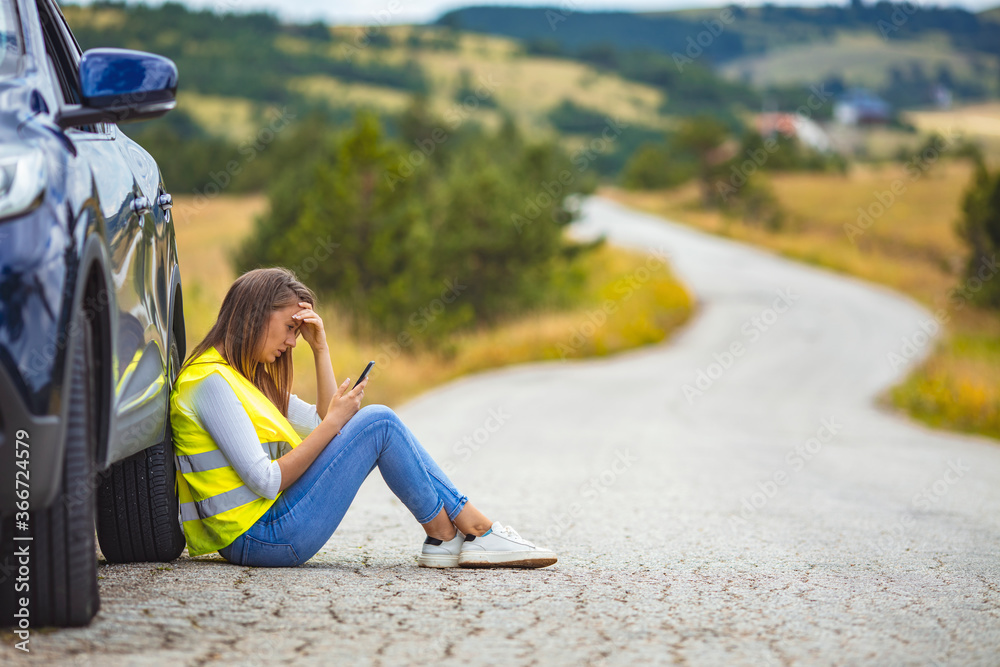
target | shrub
[{"x": 653, "y": 166}]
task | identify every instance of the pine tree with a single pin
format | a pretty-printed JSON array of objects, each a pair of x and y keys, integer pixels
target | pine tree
[{"x": 980, "y": 228}]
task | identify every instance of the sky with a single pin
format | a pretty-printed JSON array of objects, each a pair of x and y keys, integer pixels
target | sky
[{"x": 421, "y": 11}]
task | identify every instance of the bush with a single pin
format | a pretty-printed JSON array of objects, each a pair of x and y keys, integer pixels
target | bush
[
  {"x": 652, "y": 167},
  {"x": 572, "y": 118},
  {"x": 468, "y": 92},
  {"x": 756, "y": 204},
  {"x": 779, "y": 152}
]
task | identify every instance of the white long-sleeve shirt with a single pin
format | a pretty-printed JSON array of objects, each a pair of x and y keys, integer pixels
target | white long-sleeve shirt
[{"x": 226, "y": 420}]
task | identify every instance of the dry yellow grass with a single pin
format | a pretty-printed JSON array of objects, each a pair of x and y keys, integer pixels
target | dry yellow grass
[
  {"x": 613, "y": 316},
  {"x": 531, "y": 86},
  {"x": 234, "y": 118},
  {"x": 973, "y": 120},
  {"x": 468, "y": 44},
  {"x": 207, "y": 230},
  {"x": 980, "y": 122},
  {"x": 105, "y": 17},
  {"x": 339, "y": 93},
  {"x": 526, "y": 86},
  {"x": 911, "y": 246},
  {"x": 958, "y": 386}
]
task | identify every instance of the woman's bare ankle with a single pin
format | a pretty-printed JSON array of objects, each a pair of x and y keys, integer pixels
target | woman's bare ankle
[
  {"x": 477, "y": 528},
  {"x": 440, "y": 527},
  {"x": 440, "y": 535},
  {"x": 481, "y": 530},
  {"x": 471, "y": 521}
]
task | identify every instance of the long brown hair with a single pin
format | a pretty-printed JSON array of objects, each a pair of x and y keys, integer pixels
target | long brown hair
[{"x": 242, "y": 324}]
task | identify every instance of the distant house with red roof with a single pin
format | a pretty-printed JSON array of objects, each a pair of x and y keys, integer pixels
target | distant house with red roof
[{"x": 795, "y": 126}]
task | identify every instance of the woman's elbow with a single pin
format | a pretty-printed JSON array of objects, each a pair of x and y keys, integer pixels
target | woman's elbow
[
  {"x": 264, "y": 491},
  {"x": 267, "y": 485}
]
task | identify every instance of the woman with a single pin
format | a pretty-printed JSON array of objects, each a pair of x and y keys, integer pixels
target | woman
[{"x": 265, "y": 478}]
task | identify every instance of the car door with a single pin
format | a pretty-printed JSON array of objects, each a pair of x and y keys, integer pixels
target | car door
[{"x": 132, "y": 224}]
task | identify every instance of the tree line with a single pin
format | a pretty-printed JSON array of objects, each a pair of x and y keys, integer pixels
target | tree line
[{"x": 436, "y": 230}]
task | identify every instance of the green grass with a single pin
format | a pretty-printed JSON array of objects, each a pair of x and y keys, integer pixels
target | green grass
[{"x": 957, "y": 387}]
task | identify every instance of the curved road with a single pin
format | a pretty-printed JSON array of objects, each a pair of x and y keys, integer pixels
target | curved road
[{"x": 732, "y": 497}]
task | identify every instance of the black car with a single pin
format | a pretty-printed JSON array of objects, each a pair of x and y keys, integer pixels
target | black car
[{"x": 91, "y": 322}]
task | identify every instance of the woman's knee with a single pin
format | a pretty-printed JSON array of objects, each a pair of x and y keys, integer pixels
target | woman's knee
[
  {"x": 376, "y": 412},
  {"x": 380, "y": 422},
  {"x": 376, "y": 420}
]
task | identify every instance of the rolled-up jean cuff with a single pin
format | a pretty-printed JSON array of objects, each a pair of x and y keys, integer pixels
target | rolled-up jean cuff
[
  {"x": 458, "y": 508},
  {"x": 430, "y": 517}
]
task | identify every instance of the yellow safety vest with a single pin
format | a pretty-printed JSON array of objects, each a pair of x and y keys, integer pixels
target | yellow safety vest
[{"x": 216, "y": 506}]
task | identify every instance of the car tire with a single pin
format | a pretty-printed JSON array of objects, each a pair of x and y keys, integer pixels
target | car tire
[
  {"x": 138, "y": 519},
  {"x": 62, "y": 565}
]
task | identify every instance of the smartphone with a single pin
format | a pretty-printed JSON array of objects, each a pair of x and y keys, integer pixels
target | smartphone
[{"x": 364, "y": 374}]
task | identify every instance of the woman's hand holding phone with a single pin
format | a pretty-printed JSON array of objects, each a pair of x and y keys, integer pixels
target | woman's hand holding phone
[{"x": 345, "y": 403}]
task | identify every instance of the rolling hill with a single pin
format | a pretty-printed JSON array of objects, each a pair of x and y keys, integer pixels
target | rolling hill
[
  {"x": 890, "y": 47},
  {"x": 235, "y": 67}
]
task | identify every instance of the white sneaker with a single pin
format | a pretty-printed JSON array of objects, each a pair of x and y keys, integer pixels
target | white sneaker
[
  {"x": 501, "y": 546},
  {"x": 438, "y": 553}
]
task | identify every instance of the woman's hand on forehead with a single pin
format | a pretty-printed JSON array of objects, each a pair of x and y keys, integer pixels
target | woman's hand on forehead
[{"x": 310, "y": 325}]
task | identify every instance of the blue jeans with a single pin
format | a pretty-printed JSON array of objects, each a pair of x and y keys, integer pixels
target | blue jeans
[{"x": 305, "y": 515}]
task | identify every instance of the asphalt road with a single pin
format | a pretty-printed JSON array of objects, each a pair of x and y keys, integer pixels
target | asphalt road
[{"x": 731, "y": 497}]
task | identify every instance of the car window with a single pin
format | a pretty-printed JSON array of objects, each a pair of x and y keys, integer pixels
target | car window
[
  {"x": 62, "y": 59},
  {"x": 68, "y": 35},
  {"x": 10, "y": 39},
  {"x": 63, "y": 54}
]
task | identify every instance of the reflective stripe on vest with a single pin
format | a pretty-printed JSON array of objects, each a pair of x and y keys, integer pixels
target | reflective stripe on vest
[
  {"x": 216, "y": 459},
  {"x": 209, "y": 507},
  {"x": 216, "y": 505}
]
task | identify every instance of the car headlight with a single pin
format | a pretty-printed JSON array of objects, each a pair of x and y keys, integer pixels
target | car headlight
[{"x": 22, "y": 180}]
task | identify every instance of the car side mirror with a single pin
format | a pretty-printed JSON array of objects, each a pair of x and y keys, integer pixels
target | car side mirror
[{"x": 122, "y": 86}]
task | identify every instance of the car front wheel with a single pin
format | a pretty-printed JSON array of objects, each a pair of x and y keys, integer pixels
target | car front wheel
[{"x": 59, "y": 577}]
